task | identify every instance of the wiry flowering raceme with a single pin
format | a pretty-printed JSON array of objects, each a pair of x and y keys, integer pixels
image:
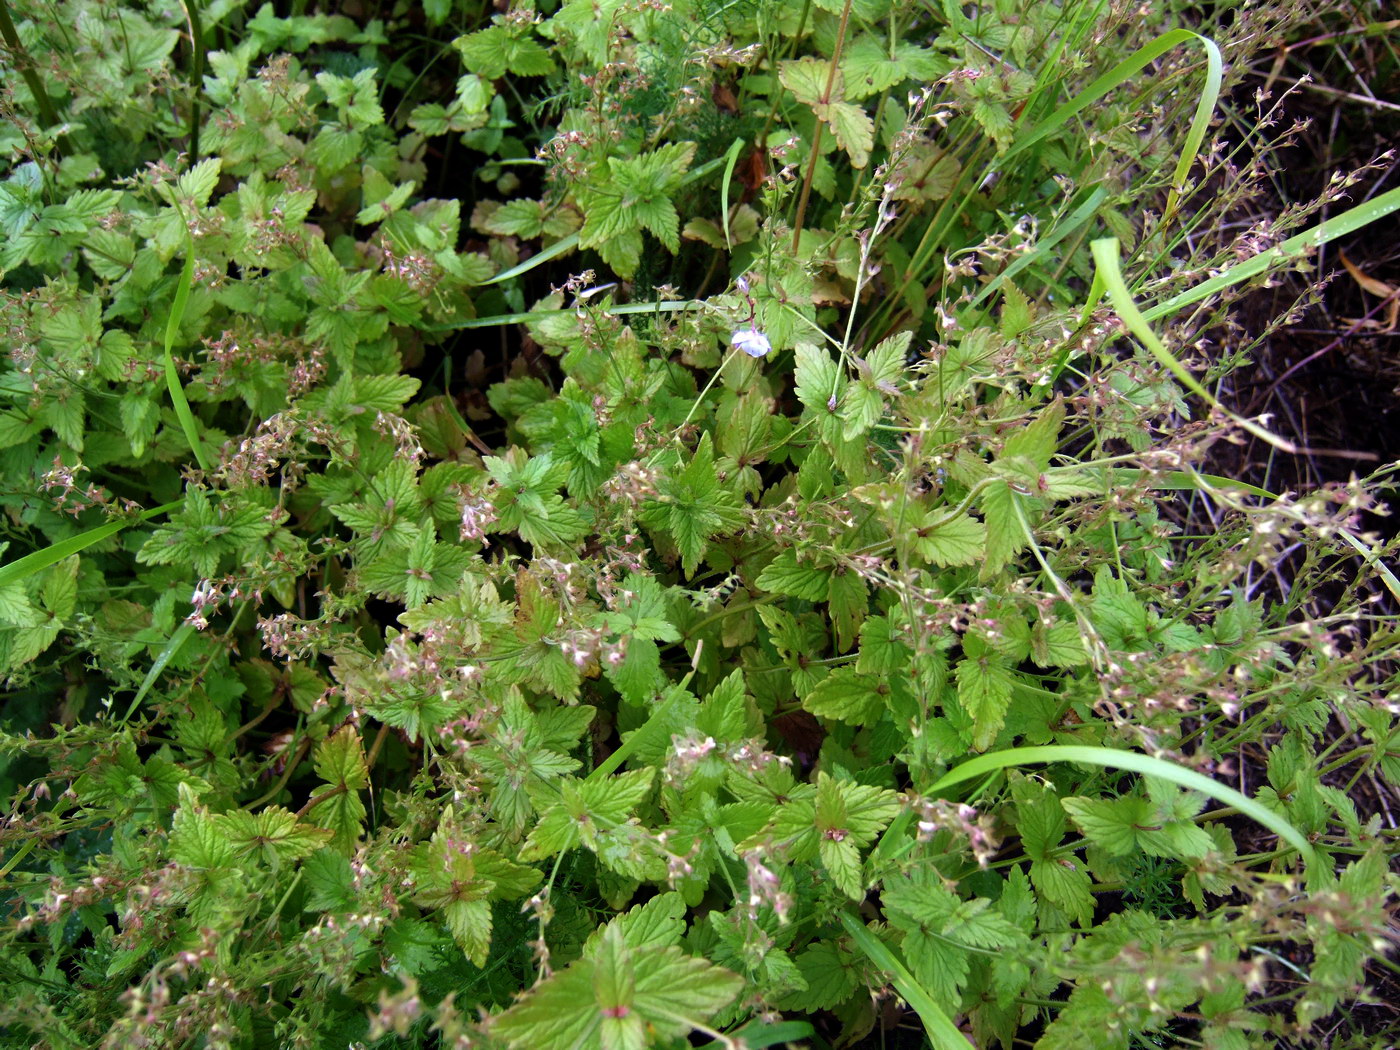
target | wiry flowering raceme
[
  {"x": 206, "y": 594},
  {"x": 270, "y": 449},
  {"x": 404, "y": 661},
  {"x": 687, "y": 753},
  {"x": 679, "y": 867},
  {"x": 402, "y": 433},
  {"x": 70, "y": 495},
  {"x": 962, "y": 820},
  {"x": 586, "y": 646},
  {"x": 290, "y": 637},
  {"x": 397, "y": 1011},
  {"x": 478, "y": 515},
  {"x": 765, "y": 887},
  {"x": 250, "y": 585},
  {"x": 750, "y": 757},
  {"x": 633, "y": 484}
]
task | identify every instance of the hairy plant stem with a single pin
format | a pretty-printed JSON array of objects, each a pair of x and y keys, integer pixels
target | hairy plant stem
[
  {"x": 196, "y": 72},
  {"x": 291, "y": 768},
  {"x": 26, "y": 65},
  {"x": 817, "y": 134}
]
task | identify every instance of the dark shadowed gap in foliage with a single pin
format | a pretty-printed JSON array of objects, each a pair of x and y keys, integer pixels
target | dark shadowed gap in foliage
[{"x": 1329, "y": 379}]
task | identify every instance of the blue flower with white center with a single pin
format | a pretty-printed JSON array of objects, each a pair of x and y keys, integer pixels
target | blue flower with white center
[{"x": 751, "y": 341}]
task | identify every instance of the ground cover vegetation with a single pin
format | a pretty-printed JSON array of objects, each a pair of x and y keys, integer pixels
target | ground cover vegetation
[{"x": 623, "y": 523}]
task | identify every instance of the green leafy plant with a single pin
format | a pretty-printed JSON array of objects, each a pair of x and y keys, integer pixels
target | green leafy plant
[{"x": 608, "y": 526}]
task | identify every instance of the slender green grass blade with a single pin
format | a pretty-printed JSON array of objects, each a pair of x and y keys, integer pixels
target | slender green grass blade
[
  {"x": 172, "y": 378},
  {"x": 18, "y": 855},
  {"x": 558, "y": 248},
  {"x": 1281, "y": 254},
  {"x": 654, "y": 725},
  {"x": 1117, "y": 76},
  {"x": 942, "y": 1033},
  {"x": 182, "y": 634},
  {"x": 1290, "y": 250},
  {"x": 1186, "y": 481},
  {"x": 56, "y": 552},
  {"x": 570, "y": 242},
  {"x": 1200, "y": 124},
  {"x": 756, "y": 1035},
  {"x": 1110, "y": 758},
  {"x": 497, "y": 320},
  {"x": 448, "y": 402},
  {"x": 1096, "y": 290},
  {"x": 893, "y": 840},
  {"x": 1123, "y": 73},
  {"x": 1392, "y": 583},
  {"x": 1105, "y": 253},
  {"x": 732, "y": 158},
  {"x": 696, "y": 174},
  {"x": 1071, "y": 41},
  {"x": 1074, "y": 221}
]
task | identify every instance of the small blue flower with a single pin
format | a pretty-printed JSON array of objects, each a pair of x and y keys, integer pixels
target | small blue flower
[{"x": 751, "y": 341}]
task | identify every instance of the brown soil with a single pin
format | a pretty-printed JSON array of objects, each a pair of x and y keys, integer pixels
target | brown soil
[{"x": 1331, "y": 381}]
